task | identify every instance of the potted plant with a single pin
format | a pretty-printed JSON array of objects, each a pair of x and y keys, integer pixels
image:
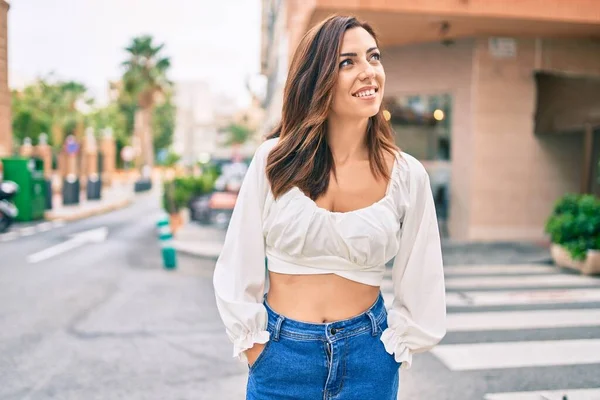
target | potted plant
[
  {"x": 179, "y": 191},
  {"x": 574, "y": 229}
]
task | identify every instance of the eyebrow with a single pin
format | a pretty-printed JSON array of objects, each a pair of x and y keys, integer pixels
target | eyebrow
[{"x": 356, "y": 55}]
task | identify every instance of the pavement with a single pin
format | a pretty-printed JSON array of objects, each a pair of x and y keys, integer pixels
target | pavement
[
  {"x": 88, "y": 312},
  {"x": 104, "y": 320},
  {"x": 199, "y": 240},
  {"x": 118, "y": 195}
]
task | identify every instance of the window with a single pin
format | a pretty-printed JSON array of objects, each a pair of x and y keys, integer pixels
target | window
[{"x": 422, "y": 124}]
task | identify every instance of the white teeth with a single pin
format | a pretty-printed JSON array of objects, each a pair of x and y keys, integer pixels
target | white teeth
[{"x": 365, "y": 93}]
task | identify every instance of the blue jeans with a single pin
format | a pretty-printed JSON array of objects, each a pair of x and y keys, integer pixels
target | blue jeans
[{"x": 342, "y": 360}]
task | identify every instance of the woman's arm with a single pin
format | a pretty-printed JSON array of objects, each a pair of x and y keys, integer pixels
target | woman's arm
[
  {"x": 239, "y": 277},
  {"x": 417, "y": 318}
]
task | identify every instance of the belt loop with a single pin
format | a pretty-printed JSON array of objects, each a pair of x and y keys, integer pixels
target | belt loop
[
  {"x": 277, "y": 327},
  {"x": 374, "y": 324}
]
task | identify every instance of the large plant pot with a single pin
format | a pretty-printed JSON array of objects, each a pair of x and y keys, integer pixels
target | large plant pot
[
  {"x": 562, "y": 258},
  {"x": 591, "y": 266},
  {"x": 176, "y": 221}
]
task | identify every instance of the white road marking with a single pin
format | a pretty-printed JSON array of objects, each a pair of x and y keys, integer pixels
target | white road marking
[
  {"x": 524, "y": 269},
  {"x": 516, "y": 320},
  {"x": 500, "y": 269},
  {"x": 5, "y": 237},
  {"x": 571, "y": 394},
  {"x": 463, "y": 357},
  {"x": 27, "y": 231},
  {"x": 514, "y": 297},
  {"x": 79, "y": 239},
  {"x": 452, "y": 299},
  {"x": 44, "y": 226},
  {"x": 58, "y": 223},
  {"x": 520, "y": 281}
]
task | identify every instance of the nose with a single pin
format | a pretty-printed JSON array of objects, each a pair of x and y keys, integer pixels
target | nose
[{"x": 367, "y": 73}]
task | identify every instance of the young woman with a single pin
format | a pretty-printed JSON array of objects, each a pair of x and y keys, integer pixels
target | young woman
[{"x": 328, "y": 200}]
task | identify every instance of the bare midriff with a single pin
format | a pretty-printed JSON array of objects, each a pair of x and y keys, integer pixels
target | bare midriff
[{"x": 319, "y": 298}]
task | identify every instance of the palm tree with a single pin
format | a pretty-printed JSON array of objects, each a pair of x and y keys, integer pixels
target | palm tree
[{"x": 145, "y": 80}]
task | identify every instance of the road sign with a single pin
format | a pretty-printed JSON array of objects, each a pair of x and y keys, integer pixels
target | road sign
[{"x": 71, "y": 145}]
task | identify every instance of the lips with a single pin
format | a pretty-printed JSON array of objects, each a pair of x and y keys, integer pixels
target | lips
[{"x": 367, "y": 91}]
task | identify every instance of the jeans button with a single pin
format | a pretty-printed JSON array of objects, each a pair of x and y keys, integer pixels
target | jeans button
[{"x": 333, "y": 331}]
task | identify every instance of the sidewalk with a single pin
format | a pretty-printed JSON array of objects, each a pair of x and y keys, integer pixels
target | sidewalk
[
  {"x": 119, "y": 195},
  {"x": 199, "y": 240},
  {"x": 206, "y": 242}
]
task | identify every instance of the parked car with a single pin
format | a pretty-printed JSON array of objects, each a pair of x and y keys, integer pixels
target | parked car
[{"x": 216, "y": 208}]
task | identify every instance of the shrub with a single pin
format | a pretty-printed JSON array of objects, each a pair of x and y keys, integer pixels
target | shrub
[
  {"x": 575, "y": 224},
  {"x": 178, "y": 192}
]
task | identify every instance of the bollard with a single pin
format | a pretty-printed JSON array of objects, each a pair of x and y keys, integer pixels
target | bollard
[{"x": 165, "y": 237}]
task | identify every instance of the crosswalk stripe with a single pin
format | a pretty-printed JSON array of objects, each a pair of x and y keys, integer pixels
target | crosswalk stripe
[
  {"x": 469, "y": 287},
  {"x": 524, "y": 269},
  {"x": 500, "y": 269},
  {"x": 570, "y": 394},
  {"x": 477, "y": 356},
  {"x": 453, "y": 299},
  {"x": 5, "y": 237},
  {"x": 27, "y": 231},
  {"x": 517, "y": 297},
  {"x": 521, "y": 281},
  {"x": 515, "y": 320},
  {"x": 44, "y": 226}
]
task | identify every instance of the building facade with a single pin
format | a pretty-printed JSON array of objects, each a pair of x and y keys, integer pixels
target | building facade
[
  {"x": 6, "y": 142},
  {"x": 499, "y": 100}
]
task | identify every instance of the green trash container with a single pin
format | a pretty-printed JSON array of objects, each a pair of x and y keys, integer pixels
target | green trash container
[{"x": 28, "y": 173}]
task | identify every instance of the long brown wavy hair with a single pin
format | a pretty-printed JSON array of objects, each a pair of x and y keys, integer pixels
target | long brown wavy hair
[{"x": 302, "y": 156}]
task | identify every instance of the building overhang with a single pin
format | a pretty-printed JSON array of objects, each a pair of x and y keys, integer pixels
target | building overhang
[{"x": 403, "y": 22}]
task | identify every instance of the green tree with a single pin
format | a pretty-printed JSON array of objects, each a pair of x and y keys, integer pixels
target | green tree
[
  {"x": 145, "y": 80},
  {"x": 50, "y": 107},
  {"x": 237, "y": 134},
  {"x": 163, "y": 125},
  {"x": 112, "y": 117}
]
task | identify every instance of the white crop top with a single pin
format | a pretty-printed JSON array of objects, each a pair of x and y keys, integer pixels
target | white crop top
[{"x": 298, "y": 237}]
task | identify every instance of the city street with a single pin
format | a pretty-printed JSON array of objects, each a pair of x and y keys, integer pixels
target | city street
[
  {"x": 99, "y": 318},
  {"x": 106, "y": 321}
]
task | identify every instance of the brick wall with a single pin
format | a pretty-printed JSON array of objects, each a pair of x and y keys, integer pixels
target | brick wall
[
  {"x": 5, "y": 118},
  {"x": 517, "y": 175},
  {"x": 430, "y": 69}
]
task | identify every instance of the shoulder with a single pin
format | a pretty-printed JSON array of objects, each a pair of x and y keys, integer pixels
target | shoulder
[
  {"x": 414, "y": 174},
  {"x": 262, "y": 152},
  {"x": 414, "y": 167}
]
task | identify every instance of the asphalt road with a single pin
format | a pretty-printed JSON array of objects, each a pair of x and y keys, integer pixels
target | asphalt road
[{"x": 104, "y": 320}]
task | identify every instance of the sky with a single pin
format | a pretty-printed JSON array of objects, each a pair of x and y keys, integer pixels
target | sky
[{"x": 217, "y": 41}]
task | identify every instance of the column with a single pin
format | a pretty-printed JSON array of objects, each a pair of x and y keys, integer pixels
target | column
[{"x": 6, "y": 140}]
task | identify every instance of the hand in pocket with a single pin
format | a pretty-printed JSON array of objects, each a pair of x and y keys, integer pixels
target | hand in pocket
[{"x": 253, "y": 352}]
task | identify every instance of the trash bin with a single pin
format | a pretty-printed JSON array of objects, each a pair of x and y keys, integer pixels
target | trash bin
[
  {"x": 70, "y": 190},
  {"x": 28, "y": 173},
  {"x": 94, "y": 187}
]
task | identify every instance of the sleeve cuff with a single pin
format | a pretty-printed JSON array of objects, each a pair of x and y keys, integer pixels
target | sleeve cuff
[
  {"x": 394, "y": 344},
  {"x": 243, "y": 343}
]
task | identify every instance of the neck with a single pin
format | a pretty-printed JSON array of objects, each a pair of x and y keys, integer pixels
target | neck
[{"x": 347, "y": 138}]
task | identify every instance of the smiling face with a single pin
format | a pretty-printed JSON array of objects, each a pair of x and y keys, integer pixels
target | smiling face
[{"x": 359, "y": 87}]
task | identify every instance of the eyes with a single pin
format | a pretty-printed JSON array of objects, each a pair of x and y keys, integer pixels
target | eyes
[{"x": 374, "y": 57}]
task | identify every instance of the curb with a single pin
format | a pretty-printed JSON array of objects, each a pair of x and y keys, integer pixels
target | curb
[
  {"x": 183, "y": 249},
  {"x": 48, "y": 216}
]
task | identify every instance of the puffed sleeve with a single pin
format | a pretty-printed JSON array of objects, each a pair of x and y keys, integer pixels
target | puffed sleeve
[
  {"x": 417, "y": 317},
  {"x": 240, "y": 273}
]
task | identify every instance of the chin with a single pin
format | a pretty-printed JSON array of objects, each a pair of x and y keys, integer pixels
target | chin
[{"x": 368, "y": 112}]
